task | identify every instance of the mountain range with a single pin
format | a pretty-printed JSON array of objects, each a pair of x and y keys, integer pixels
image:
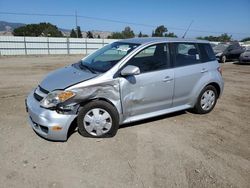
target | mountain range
[
  {"x": 7, "y": 26},
  {"x": 6, "y": 29}
]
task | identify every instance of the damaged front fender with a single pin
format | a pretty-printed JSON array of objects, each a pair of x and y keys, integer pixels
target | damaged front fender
[{"x": 108, "y": 90}]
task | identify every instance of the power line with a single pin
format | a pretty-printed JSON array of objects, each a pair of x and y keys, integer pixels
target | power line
[
  {"x": 117, "y": 21},
  {"x": 79, "y": 16}
]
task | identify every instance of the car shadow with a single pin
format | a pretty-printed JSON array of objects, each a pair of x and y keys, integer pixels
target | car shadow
[{"x": 73, "y": 127}]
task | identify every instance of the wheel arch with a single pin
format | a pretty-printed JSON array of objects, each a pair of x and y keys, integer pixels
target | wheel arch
[
  {"x": 73, "y": 125},
  {"x": 98, "y": 99},
  {"x": 104, "y": 104},
  {"x": 217, "y": 87},
  {"x": 200, "y": 86}
]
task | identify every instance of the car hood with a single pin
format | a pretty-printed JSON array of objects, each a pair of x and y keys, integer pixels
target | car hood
[{"x": 65, "y": 77}]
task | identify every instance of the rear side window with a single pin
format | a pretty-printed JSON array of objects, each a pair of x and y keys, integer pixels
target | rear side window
[
  {"x": 207, "y": 53},
  {"x": 186, "y": 54}
]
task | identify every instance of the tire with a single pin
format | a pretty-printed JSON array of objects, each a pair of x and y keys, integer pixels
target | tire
[
  {"x": 223, "y": 59},
  {"x": 206, "y": 100},
  {"x": 98, "y": 119}
]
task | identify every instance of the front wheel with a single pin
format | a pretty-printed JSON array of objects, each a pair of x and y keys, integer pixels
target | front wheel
[
  {"x": 98, "y": 119},
  {"x": 223, "y": 59},
  {"x": 206, "y": 100}
]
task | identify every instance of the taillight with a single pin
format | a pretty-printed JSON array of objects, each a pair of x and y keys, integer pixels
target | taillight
[{"x": 219, "y": 69}]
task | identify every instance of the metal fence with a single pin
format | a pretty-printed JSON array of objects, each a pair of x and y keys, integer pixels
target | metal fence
[{"x": 11, "y": 45}]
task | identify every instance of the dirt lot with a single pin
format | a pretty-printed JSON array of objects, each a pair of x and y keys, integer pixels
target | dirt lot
[{"x": 177, "y": 150}]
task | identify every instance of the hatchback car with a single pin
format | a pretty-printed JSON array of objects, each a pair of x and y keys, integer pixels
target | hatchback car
[
  {"x": 228, "y": 51},
  {"x": 245, "y": 56},
  {"x": 123, "y": 82}
]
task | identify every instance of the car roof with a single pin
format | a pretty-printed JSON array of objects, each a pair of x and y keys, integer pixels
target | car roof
[{"x": 144, "y": 40}]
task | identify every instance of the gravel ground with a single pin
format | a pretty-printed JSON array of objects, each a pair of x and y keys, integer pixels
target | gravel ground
[{"x": 176, "y": 150}]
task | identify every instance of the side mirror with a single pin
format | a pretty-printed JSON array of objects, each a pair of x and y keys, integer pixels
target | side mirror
[{"x": 130, "y": 70}]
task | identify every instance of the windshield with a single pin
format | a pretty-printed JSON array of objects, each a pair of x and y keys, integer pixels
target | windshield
[
  {"x": 105, "y": 58},
  {"x": 220, "y": 47}
]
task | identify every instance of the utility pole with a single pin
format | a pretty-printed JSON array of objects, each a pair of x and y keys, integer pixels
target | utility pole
[{"x": 76, "y": 24}]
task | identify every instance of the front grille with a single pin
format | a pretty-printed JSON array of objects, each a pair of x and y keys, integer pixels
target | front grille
[
  {"x": 43, "y": 90},
  {"x": 40, "y": 93},
  {"x": 38, "y": 97},
  {"x": 44, "y": 129}
]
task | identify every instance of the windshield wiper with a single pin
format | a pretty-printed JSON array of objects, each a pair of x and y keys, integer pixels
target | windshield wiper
[{"x": 88, "y": 68}]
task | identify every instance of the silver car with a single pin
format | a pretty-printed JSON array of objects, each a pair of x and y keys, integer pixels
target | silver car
[
  {"x": 124, "y": 82},
  {"x": 245, "y": 56}
]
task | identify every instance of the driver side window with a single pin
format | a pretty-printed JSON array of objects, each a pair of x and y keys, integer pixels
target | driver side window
[{"x": 152, "y": 58}]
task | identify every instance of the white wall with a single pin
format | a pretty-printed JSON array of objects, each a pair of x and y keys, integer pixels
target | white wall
[{"x": 11, "y": 45}]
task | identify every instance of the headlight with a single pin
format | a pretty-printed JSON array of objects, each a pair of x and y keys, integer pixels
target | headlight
[{"x": 56, "y": 97}]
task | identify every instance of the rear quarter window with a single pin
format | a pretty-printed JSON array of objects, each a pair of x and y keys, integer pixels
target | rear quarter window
[{"x": 206, "y": 52}]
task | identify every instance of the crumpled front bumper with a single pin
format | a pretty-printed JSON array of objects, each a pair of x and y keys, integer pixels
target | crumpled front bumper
[{"x": 43, "y": 121}]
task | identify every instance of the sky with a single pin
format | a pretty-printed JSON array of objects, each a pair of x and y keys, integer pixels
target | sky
[{"x": 208, "y": 17}]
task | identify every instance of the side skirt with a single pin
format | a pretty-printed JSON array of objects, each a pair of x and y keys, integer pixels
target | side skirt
[{"x": 157, "y": 113}]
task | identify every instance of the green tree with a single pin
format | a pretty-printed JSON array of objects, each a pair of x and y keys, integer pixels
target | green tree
[
  {"x": 170, "y": 35},
  {"x": 222, "y": 38},
  {"x": 90, "y": 34},
  {"x": 200, "y": 38},
  {"x": 159, "y": 31},
  {"x": 41, "y": 29},
  {"x": 73, "y": 34},
  {"x": 225, "y": 38},
  {"x": 153, "y": 33},
  {"x": 140, "y": 34},
  {"x": 79, "y": 32},
  {"x": 209, "y": 38},
  {"x": 116, "y": 35},
  {"x": 128, "y": 33},
  {"x": 98, "y": 36},
  {"x": 245, "y": 39}
]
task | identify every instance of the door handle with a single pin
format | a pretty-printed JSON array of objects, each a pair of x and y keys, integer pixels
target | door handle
[
  {"x": 167, "y": 79},
  {"x": 204, "y": 70}
]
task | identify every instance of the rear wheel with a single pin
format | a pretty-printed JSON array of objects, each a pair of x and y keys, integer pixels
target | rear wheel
[
  {"x": 206, "y": 100},
  {"x": 98, "y": 119}
]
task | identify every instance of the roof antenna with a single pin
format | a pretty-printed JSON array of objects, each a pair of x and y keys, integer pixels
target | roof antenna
[{"x": 187, "y": 29}]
